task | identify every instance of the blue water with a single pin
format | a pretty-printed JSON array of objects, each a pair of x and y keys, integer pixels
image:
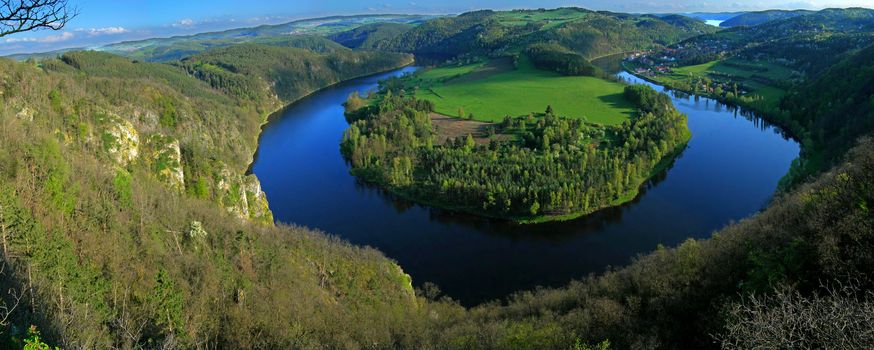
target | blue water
[
  {"x": 729, "y": 171},
  {"x": 714, "y": 22}
]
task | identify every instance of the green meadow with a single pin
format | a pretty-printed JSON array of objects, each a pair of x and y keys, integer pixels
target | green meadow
[
  {"x": 552, "y": 18},
  {"x": 490, "y": 91},
  {"x": 754, "y": 75}
]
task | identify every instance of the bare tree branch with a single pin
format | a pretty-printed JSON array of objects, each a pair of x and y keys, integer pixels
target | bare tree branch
[
  {"x": 6, "y": 309},
  {"x": 18, "y": 16}
]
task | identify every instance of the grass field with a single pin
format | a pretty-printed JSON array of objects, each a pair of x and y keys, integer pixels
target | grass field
[
  {"x": 744, "y": 72},
  {"x": 552, "y": 18},
  {"x": 497, "y": 89}
]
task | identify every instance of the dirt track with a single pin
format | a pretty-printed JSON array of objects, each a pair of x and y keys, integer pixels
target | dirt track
[{"x": 449, "y": 128}]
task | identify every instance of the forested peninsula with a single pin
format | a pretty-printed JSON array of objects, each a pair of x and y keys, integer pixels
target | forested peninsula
[{"x": 533, "y": 168}]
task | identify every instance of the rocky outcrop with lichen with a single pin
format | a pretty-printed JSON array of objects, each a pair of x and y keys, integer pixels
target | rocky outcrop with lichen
[
  {"x": 25, "y": 114},
  {"x": 165, "y": 160},
  {"x": 120, "y": 139},
  {"x": 259, "y": 210},
  {"x": 242, "y": 196}
]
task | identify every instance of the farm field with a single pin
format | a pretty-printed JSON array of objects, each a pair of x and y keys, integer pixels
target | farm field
[{"x": 497, "y": 89}]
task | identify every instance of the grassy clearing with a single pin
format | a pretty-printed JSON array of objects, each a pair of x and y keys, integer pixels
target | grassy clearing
[
  {"x": 552, "y": 17},
  {"x": 761, "y": 78},
  {"x": 518, "y": 91}
]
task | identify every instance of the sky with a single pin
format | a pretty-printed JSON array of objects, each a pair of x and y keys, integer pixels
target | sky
[{"x": 108, "y": 21}]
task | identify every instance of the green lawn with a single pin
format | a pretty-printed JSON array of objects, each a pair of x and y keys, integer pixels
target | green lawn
[{"x": 521, "y": 91}]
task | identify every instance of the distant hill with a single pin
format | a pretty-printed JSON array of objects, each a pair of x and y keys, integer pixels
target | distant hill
[
  {"x": 712, "y": 16},
  {"x": 39, "y": 56},
  {"x": 682, "y": 21},
  {"x": 165, "y": 49},
  {"x": 759, "y": 17},
  {"x": 796, "y": 42},
  {"x": 371, "y": 36},
  {"x": 242, "y": 69},
  {"x": 588, "y": 33},
  {"x": 174, "y": 48}
]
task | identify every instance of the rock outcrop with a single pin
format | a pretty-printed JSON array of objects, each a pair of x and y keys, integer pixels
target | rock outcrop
[
  {"x": 259, "y": 210},
  {"x": 165, "y": 160},
  {"x": 120, "y": 140},
  {"x": 25, "y": 114},
  {"x": 242, "y": 196}
]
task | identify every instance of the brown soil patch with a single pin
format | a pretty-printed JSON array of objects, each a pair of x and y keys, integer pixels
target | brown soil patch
[{"x": 449, "y": 128}]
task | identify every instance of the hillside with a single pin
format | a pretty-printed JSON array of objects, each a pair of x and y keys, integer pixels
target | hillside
[
  {"x": 814, "y": 241},
  {"x": 127, "y": 180},
  {"x": 782, "y": 68},
  {"x": 243, "y": 69},
  {"x": 809, "y": 43},
  {"x": 179, "y": 50},
  {"x": 371, "y": 36},
  {"x": 168, "y": 49},
  {"x": 591, "y": 34},
  {"x": 759, "y": 17},
  {"x": 300, "y": 34},
  {"x": 834, "y": 109}
]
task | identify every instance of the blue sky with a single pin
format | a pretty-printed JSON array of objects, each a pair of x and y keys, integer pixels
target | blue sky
[{"x": 107, "y": 21}]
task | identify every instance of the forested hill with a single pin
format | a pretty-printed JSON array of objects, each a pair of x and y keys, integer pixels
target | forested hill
[
  {"x": 835, "y": 108},
  {"x": 591, "y": 34},
  {"x": 127, "y": 220},
  {"x": 242, "y": 70},
  {"x": 298, "y": 33},
  {"x": 371, "y": 36},
  {"x": 809, "y": 43},
  {"x": 759, "y": 17}
]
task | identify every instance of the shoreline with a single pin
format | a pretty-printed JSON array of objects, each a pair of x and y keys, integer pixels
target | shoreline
[
  {"x": 662, "y": 165},
  {"x": 768, "y": 117},
  {"x": 272, "y": 116}
]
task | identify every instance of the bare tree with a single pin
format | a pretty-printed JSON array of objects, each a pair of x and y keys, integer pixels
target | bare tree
[
  {"x": 8, "y": 307},
  {"x": 842, "y": 318},
  {"x": 18, "y": 16}
]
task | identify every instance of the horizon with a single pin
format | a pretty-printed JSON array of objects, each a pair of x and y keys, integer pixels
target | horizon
[{"x": 101, "y": 23}]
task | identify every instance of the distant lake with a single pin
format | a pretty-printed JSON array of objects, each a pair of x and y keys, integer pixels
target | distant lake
[
  {"x": 729, "y": 171},
  {"x": 714, "y": 22}
]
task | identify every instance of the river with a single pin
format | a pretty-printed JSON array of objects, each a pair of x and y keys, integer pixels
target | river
[{"x": 729, "y": 171}]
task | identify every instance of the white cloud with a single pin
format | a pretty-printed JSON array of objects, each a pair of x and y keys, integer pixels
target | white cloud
[
  {"x": 43, "y": 40},
  {"x": 104, "y": 31},
  {"x": 185, "y": 23}
]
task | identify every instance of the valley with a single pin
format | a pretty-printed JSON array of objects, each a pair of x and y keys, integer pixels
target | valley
[
  {"x": 561, "y": 178},
  {"x": 730, "y": 168}
]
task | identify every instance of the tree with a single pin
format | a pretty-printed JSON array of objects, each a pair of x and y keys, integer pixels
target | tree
[
  {"x": 469, "y": 143},
  {"x": 18, "y": 16},
  {"x": 354, "y": 102},
  {"x": 535, "y": 208},
  {"x": 33, "y": 341}
]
